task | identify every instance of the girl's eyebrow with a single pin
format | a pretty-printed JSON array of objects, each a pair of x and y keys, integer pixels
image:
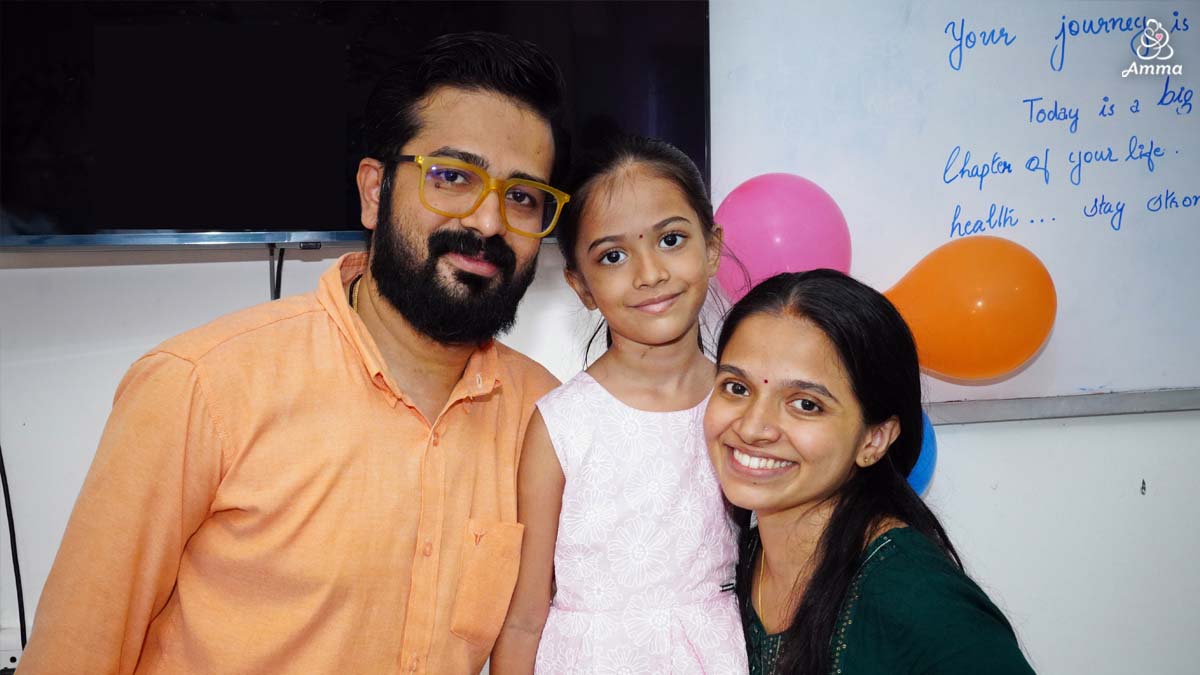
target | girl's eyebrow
[
  {"x": 787, "y": 384},
  {"x": 618, "y": 237}
]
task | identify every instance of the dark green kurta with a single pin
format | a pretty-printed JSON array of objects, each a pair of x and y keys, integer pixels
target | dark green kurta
[{"x": 909, "y": 610}]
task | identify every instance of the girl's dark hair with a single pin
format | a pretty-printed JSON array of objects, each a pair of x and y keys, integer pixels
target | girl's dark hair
[
  {"x": 611, "y": 154},
  {"x": 879, "y": 355}
]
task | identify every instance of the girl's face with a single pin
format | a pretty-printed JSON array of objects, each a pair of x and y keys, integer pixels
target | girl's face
[
  {"x": 642, "y": 258},
  {"x": 784, "y": 429}
]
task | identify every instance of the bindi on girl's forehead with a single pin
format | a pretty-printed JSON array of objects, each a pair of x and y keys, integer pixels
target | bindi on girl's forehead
[{"x": 764, "y": 382}]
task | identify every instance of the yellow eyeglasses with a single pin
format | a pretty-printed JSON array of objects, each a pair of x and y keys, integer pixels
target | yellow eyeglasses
[{"x": 455, "y": 189}]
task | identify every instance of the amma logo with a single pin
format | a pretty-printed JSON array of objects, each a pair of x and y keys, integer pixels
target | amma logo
[{"x": 1153, "y": 44}]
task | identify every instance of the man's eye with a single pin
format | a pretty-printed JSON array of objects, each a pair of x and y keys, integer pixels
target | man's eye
[
  {"x": 523, "y": 198},
  {"x": 612, "y": 257},
  {"x": 446, "y": 176}
]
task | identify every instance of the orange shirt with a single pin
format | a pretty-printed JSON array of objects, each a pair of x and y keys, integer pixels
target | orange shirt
[{"x": 265, "y": 499}]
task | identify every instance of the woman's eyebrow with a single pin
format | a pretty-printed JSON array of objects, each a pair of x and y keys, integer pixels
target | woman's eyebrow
[{"x": 787, "y": 384}]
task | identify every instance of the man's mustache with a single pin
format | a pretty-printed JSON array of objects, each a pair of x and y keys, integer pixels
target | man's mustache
[{"x": 463, "y": 242}]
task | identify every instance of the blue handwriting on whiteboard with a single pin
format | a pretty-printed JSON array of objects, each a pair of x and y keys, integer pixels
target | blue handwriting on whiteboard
[
  {"x": 969, "y": 170},
  {"x": 966, "y": 40},
  {"x": 1102, "y": 26},
  {"x": 998, "y": 216},
  {"x": 1168, "y": 200},
  {"x": 1183, "y": 98},
  {"x": 1056, "y": 113},
  {"x": 1100, "y": 206},
  {"x": 1078, "y": 158},
  {"x": 1139, "y": 151},
  {"x": 1035, "y": 164}
]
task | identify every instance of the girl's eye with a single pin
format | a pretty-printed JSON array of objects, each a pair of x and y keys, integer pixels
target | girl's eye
[
  {"x": 672, "y": 240},
  {"x": 735, "y": 388},
  {"x": 806, "y": 405},
  {"x": 613, "y": 257}
]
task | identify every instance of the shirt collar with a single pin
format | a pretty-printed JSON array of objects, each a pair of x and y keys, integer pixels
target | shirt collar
[{"x": 480, "y": 377}]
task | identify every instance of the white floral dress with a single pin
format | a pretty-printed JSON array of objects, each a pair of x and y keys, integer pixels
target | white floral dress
[{"x": 646, "y": 555}]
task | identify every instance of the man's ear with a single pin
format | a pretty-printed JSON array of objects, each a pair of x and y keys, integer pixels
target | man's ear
[
  {"x": 715, "y": 243},
  {"x": 577, "y": 284},
  {"x": 877, "y": 441},
  {"x": 369, "y": 179}
]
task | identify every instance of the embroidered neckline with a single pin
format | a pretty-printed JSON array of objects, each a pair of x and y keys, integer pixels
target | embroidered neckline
[{"x": 881, "y": 548}]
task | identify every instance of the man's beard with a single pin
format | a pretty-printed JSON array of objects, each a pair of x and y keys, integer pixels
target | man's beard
[{"x": 478, "y": 310}]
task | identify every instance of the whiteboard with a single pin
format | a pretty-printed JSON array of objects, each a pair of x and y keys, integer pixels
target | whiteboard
[{"x": 871, "y": 99}]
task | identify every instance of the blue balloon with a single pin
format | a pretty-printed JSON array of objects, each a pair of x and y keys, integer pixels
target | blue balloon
[{"x": 922, "y": 471}]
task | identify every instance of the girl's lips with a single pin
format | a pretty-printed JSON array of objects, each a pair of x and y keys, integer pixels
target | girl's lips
[
  {"x": 476, "y": 266},
  {"x": 755, "y": 465},
  {"x": 658, "y": 305}
]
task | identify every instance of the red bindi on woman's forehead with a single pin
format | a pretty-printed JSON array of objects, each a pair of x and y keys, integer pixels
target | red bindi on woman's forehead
[{"x": 764, "y": 381}]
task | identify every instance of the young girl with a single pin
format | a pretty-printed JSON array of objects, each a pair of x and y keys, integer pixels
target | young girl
[
  {"x": 629, "y": 557},
  {"x": 814, "y": 424}
]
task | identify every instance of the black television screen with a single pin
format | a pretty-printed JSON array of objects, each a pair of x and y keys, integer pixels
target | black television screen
[{"x": 243, "y": 116}]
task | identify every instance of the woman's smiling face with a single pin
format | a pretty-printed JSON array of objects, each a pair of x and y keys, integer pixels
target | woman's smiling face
[{"x": 784, "y": 428}]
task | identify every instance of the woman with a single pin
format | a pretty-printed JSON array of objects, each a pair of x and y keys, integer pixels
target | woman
[{"x": 814, "y": 424}]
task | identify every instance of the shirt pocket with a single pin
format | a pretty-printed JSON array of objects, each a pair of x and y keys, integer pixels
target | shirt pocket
[{"x": 491, "y": 559}]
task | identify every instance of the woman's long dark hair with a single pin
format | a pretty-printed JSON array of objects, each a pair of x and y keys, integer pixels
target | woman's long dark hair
[{"x": 879, "y": 355}]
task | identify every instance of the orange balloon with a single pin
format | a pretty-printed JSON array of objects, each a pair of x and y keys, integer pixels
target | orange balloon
[{"x": 978, "y": 307}]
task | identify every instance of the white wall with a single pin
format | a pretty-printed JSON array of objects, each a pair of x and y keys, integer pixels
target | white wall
[{"x": 1096, "y": 577}]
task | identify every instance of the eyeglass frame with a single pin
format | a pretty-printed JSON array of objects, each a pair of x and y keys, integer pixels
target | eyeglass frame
[{"x": 490, "y": 184}]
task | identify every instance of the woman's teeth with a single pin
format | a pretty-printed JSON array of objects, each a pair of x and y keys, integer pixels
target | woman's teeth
[{"x": 751, "y": 462}]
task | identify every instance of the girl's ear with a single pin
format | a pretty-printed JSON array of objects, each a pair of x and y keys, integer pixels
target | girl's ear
[
  {"x": 877, "y": 441},
  {"x": 715, "y": 242},
  {"x": 577, "y": 284}
]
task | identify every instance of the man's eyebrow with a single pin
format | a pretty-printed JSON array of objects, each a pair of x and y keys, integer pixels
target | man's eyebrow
[
  {"x": 787, "y": 384},
  {"x": 476, "y": 160},
  {"x": 461, "y": 155},
  {"x": 526, "y": 176},
  {"x": 657, "y": 226}
]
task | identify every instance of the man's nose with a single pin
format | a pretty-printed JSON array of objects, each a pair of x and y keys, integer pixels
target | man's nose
[{"x": 487, "y": 220}]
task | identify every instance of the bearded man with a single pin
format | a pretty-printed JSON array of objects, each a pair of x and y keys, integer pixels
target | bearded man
[{"x": 326, "y": 483}]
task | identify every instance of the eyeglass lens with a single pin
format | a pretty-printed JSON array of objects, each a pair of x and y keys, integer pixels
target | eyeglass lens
[{"x": 455, "y": 190}]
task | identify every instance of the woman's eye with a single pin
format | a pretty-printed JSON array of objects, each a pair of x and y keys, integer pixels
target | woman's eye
[
  {"x": 735, "y": 388},
  {"x": 671, "y": 240},
  {"x": 612, "y": 257},
  {"x": 806, "y": 405}
]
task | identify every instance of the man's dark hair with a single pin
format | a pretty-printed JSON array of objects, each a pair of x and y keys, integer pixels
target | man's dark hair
[{"x": 477, "y": 60}]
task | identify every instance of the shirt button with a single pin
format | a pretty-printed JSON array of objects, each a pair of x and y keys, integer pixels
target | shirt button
[
  {"x": 435, "y": 438},
  {"x": 427, "y": 549}
]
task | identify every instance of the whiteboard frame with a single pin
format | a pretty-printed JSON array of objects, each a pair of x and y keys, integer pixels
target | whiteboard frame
[{"x": 1083, "y": 405}]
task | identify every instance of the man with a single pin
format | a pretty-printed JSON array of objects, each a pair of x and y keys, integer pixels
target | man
[{"x": 326, "y": 483}]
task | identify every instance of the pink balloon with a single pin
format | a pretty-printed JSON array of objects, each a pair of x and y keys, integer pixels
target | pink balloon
[{"x": 778, "y": 222}]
